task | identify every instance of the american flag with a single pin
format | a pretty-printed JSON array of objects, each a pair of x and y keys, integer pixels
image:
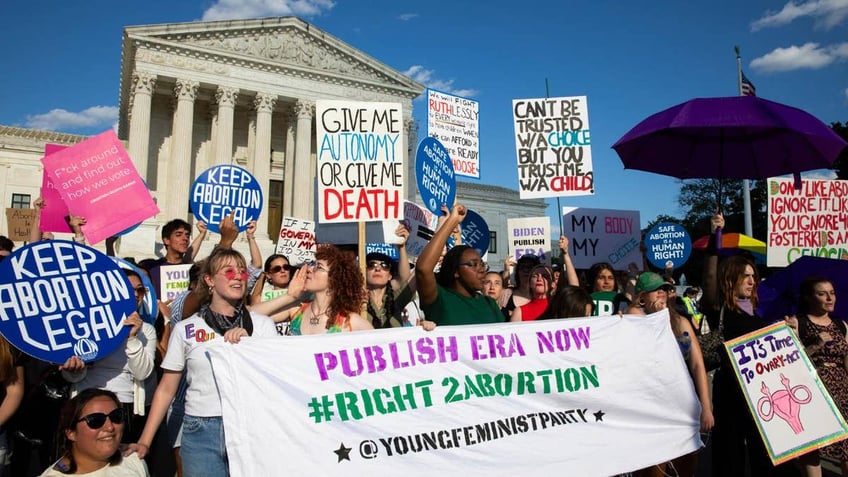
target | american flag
[{"x": 748, "y": 88}]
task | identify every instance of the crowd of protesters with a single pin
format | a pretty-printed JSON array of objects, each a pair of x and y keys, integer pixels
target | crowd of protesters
[{"x": 155, "y": 399}]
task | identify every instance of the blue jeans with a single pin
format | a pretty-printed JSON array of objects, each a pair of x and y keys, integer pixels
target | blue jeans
[{"x": 204, "y": 450}]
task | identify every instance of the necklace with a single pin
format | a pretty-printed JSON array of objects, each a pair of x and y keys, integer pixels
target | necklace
[{"x": 315, "y": 318}]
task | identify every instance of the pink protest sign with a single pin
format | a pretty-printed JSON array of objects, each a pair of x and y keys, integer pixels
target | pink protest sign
[
  {"x": 97, "y": 180},
  {"x": 54, "y": 212}
]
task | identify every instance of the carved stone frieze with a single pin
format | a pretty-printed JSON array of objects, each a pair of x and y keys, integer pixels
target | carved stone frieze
[{"x": 187, "y": 62}]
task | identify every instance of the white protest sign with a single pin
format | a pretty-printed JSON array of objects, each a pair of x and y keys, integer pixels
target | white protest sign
[
  {"x": 421, "y": 224},
  {"x": 790, "y": 405},
  {"x": 297, "y": 240},
  {"x": 360, "y": 160},
  {"x": 553, "y": 147},
  {"x": 812, "y": 220},
  {"x": 460, "y": 400},
  {"x": 529, "y": 236},
  {"x": 454, "y": 121},
  {"x": 602, "y": 235},
  {"x": 173, "y": 280}
]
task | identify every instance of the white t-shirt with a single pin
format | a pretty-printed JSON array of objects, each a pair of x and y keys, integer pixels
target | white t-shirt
[
  {"x": 186, "y": 353},
  {"x": 130, "y": 466}
]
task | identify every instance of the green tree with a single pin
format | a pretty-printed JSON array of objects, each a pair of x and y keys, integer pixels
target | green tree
[
  {"x": 841, "y": 163},
  {"x": 699, "y": 198}
]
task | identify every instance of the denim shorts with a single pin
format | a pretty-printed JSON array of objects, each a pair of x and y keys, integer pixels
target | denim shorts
[{"x": 204, "y": 450}]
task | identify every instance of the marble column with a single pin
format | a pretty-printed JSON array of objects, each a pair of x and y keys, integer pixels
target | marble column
[
  {"x": 226, "y": 99},
  {"x": 303, "y": 205},
  {"x": 180, "y": 175},
  {"x": 288, "y": 178},
  {"x": 260, "y": 164},
  {"x": 410, "y": 131},
  {"x": 143, "y": 84}
]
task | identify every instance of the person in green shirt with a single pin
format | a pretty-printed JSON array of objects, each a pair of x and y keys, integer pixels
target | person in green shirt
[{"x": 453, "y": 296}]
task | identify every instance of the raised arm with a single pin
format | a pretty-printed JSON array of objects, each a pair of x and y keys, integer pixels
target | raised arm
[
  {"x": 255, "y": 254},
  {"x": 424, "y": 268},
  {"x": 198, "y": 238},
  {"x": 404, "y": 272},
  {"x": 570, "y": 271},
  {"x": 283, "y": 303},
  {"x": 709, "y": 283},
  {"x": 35, "y": 230}
]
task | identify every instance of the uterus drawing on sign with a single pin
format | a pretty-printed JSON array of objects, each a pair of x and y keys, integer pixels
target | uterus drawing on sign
[{"x": 785, "y": 403}]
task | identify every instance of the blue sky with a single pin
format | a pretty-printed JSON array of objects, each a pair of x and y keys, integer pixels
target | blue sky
[{"x": 61, "y": 63}]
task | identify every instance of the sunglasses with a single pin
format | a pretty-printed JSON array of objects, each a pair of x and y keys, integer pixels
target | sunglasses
[
  {"x": 280, "y": 268},
  {"x": 96, "y": 420},
  {"x": 474, "y": 264},
  {"x": 232, "y": 274},
  {"x": 315, "y": 266},
  {"x": 373, "y": 265}
]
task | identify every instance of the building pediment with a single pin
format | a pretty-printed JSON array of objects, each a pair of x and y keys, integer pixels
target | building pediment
[{"x": 287, "y": 44}]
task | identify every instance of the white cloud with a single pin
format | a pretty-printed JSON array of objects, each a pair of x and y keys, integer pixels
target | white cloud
[
  {"x": 407, "y": 16},
  {"x": 827, "y": 14},
  {"x": 807, "y": 56},
  {"x": 243, "y": 9},
  {"x": 61, "y": 119},
  {"x": 425, "y": 77}
]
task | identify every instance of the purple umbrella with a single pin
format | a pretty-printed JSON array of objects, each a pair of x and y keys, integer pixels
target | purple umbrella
[
  {"x": 738, "y": 137},
  {"x": 780, "y": 293}
]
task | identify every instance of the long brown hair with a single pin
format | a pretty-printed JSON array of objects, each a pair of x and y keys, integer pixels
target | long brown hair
[
  {"x": 8, "y": 374},
  {"x": 345, "y": 281},
  {"x": 731, "y": 272},
  {"x": 70, "y": 418}
]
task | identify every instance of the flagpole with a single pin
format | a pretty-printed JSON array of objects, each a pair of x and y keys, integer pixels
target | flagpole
[{"x": 746, "y": 184}]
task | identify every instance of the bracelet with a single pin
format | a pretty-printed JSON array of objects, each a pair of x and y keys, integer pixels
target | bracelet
[{"x": 80, "y": 239}]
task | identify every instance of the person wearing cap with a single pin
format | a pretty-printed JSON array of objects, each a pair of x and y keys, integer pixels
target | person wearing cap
[
  {"x": 390, "y": 285},
  {"x": 651, "y": 297}
]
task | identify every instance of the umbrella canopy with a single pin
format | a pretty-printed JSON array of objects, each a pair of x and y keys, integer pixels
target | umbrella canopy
[
  {"x": 734, "y": 243},
  {"x": 780, "y": 293},
  {"x": 738, "y": 137}
]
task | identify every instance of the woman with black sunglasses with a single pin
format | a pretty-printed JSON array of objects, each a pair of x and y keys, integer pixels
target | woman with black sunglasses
[
  {"x": 390, "y": 285},
  {"x": 92, "y": 424},
  {"x": 275, "y": 279}
]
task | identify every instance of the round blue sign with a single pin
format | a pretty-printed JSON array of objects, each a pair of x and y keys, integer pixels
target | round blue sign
[
  {"x": 149, "y": 307},
  {"x": 60, "y": 299},
  {"x": 435, "y": 176},
  {"x": 225, "y": 189},
  {"x": 667, "y": 244},
  {"x": 475, "y": 232}
]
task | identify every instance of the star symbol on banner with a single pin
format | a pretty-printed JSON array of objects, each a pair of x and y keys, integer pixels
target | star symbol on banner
[
  {"x": 599, "y": 416},
  {"x": 343, "y": 452}
]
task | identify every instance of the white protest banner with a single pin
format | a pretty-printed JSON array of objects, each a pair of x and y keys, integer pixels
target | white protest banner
[
  {"x": 529, "y": 236},
  {"x": 360, "y": 160},
  {"x": 791, "y": 407},
  {"x": 60, "y": 299},
  {"x": 173, "y": 279},
  {"x": 500, "y": 399},
  {"x": 421, "y": 224},
  {"x": 812, "y": 220},
  {"x": 454, "y": 121},
  {"x": 297, "y": 240},
  {"x": 602, "y": 235},
  {"x": 553, "y": 147}
]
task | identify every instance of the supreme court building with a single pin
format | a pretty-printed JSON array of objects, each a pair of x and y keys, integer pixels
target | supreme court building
[{"x": 195, "y": 95}]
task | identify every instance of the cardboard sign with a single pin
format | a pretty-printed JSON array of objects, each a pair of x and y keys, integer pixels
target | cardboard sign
[
  {"x": 421, "y": 224},
  {"x": 453, "y": 120},
  {"x": 812, "y": 220},
  {"x": 602, "y": 235},
  {"x": 668, "y": 244},
  {"x": 297, "y": 240},
  {"x": 60, "y": 299},
  {"x": 225, "y": 189},
  {"x": 54, "y": 213},
  {"x": 790, "y": 405},
  {"x": 173, "y": 280},
  {"x": 19, "y": 222},
  {"x": 475, "y": 232},
  {"x": 553, "y": 147},
  {"x": 360, "y": 160},
  {"x": 98, "y": 181},
  {"x": 435, "y": 175},
  {"x": 460, "y": 400},
  {"x": 529, "y": 236}
]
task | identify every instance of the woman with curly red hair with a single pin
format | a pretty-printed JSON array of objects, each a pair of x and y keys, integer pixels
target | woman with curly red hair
[{"x": 338, "y": 292}]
